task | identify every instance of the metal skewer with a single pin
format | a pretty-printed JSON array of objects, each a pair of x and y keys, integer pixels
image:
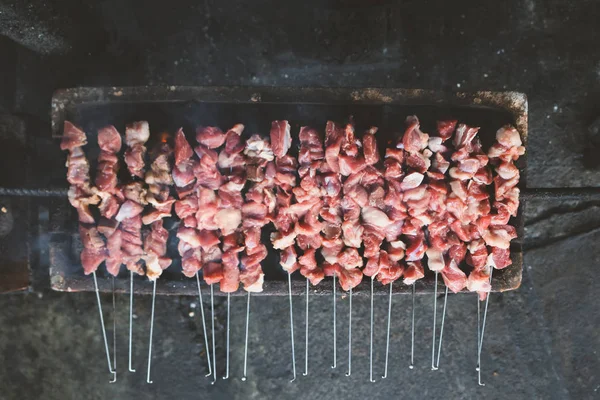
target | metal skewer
[
  {"x": 114, "y": 306},
  {"x": 130, "y": 319},
  {"x": 110, "y": 369},
  {"x": 478, "y": 331},
  {"x": 433, "y": 367},
  {"x": 387, "y": 341},
  {"x": 487, "y": 300},
  {"x": 227, "y": 345},
  {"x": 350, "y": 336},
  {"x": 437, "y": 364},
  {"x": 306, "y": 333},
  {"x": 246, "y": 342},
  {"x": 151, "y": 332},
  {"x": 334, "y": 327},
  {"x": 214, "y": 355},
  {"x": 292, "y": 327},
  {"x": 371, "y": 340},
  {"x": 204, "y": 326},
  {"x": 412, "y": 334}
]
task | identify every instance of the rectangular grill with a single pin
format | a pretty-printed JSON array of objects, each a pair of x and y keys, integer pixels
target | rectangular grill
[{"x": 169, "y": 108}]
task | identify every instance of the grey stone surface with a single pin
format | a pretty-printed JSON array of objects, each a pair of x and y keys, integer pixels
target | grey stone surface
[{"x": 542, "y": 339}]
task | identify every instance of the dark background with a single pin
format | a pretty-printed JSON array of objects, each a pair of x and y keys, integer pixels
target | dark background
[{"x": 541, "y": 340}]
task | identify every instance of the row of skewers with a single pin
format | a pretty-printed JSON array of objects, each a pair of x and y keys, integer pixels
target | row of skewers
[{"x": 343, "y": 202}]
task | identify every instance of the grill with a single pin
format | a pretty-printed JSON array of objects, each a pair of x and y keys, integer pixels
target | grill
[{"x": 169, "y": 108}]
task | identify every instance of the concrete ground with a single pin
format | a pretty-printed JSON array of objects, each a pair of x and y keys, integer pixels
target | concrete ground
[{"x": 541, "y": 340}]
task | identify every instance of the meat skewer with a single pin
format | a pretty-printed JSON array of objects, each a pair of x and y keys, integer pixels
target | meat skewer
[
  {"x": 159, "y": 180},
  {"x": 136, "y": 135},
  {"x": 81, "y": 196},
  {"x": 283, "y": 239},
  {"x": 109, "y": 141},
  {"x": 508, "y": 148},
  {"x": 185, "y": 208},
  {"x": 308, "y": 228}
]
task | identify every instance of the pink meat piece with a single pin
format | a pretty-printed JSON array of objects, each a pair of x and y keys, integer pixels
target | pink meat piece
[
  {"x": 212, "y": 273},
  {"x": 186, "y": 207},
  {"x": 446, "y": 129},
  {"x": 435, "y": 259},
  {"x": 78, "y": 168},
  {"x": 375, "y": 218},
  {"x": 500, "y": 236},
  {"x": 464, "y": 136},
  {"x": 413, "y": 272},
  {"x": 109, "y": 206},
  {"x": 416, "y": 247},
  {"x": 392, "y": 169},
  {"x": 90, "y": 237},
  {"x": 411, "y": 181},
  {"x": 109, "y": 139},
  {"x": 350, "y": 165},
  {"x": 183, "y": 149},
  {"x": 370, "y": 147},
  {"x": 282, "y": 240},
  {"x": 373, "y": 267},
  {"x": 372, "y": 239},
  {"x": 479, "y": 281},
  {"x": 309, "y": 241},
  {"x": 500, "y": 258},
  {"x": 183, "y": 173},
  {"x": 419, "y": 162},
  {"x": 414, "y": 140},
  {"x": 508, "y": 137},
  {"x": 189, "y": 235},
  {"x": 333, "y": 144},
  {"x": 233, "y": 140},
  {"x": 390, "y": 274},
  {"x": 281, "y": 140},
  {"x": 228, "y": 220},
  {"x": 137, "y": 133},
  {"x": 315, "y": 276},
  {"x": 208, "y": 239},
  {"x": 231, "y": 272},
  {"x": 134, "y": 158},
  {"x": 478, "y": 254},
  {"x": 435, "y": 145},
  {"x": 454, "y": 278},
  {"x": 92, "y": 258},
  {"x": 349, "y": 258},
  {"x": 349, "y": 278},
  {"x": 210, "y": 136},
  {"x": 191, "y": 262},
  {"x": 289, "y": 259},
  {"x": 129, "y": 209},
  {"x": 113, "y": 245},
  {"x": 72, "y": 138},
  {"x": 396, "y": 250}
]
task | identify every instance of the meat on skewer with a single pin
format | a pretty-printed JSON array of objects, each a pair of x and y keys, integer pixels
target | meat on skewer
[
  {"x": 81, "y": 195},
  {"x": 159, "y": 181}
]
